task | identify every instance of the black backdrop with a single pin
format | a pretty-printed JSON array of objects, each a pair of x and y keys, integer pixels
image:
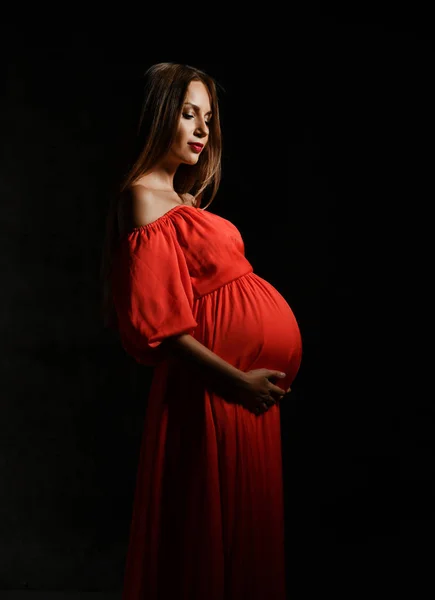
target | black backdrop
[{"x": 326, "y": 171}]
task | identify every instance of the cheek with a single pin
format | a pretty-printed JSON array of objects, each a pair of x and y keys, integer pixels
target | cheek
[{"x": 182, "y": 132}]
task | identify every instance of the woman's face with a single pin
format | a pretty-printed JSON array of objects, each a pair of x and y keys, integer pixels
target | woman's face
[{"x": 192, "y": 126}]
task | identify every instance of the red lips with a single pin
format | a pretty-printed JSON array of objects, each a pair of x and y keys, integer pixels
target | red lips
[{"x": 196, "y": 147}]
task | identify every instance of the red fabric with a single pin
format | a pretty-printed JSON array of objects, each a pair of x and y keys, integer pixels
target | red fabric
[{"x": 208, "y": 512}]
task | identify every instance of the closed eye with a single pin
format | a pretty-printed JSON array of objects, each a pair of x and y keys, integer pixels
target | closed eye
[{"x": 187, "y": 116}]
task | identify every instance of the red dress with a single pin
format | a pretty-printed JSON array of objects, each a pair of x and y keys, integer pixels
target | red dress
[{"x": 208, "y": 513}]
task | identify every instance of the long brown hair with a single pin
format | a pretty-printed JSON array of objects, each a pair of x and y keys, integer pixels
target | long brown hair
[{"x": 164, "y": 88}]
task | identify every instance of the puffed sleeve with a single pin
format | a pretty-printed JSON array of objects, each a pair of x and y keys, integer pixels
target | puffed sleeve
[{"x": 152, "y": 291}]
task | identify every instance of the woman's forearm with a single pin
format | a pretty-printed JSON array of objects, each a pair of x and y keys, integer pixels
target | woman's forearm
[{"x": 206, "y": 362}]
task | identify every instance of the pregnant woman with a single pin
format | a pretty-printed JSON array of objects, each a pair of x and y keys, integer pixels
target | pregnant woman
[{"x": 208, "y": 513}]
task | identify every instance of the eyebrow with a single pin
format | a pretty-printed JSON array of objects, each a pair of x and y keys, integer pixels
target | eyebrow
[{"x": 197, "y": 107}]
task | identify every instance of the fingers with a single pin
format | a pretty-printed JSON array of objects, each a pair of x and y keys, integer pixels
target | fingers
[
  {"x": 277, "y": 390},
  {"x": 261, "y": 408},
  {"x": 284, "y": 392},
  {"x": 264, "y": 405}
]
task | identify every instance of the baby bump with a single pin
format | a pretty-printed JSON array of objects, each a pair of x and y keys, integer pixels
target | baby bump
[{"x": 249, "y": 324}]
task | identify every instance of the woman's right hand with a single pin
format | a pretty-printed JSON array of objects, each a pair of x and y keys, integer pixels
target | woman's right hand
[{"x": 257, "y": 393}]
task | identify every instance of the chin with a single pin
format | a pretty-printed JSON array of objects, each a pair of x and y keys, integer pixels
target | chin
[{"x": 191, "y": 160}]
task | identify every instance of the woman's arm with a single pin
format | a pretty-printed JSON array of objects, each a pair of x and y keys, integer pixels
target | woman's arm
[
  {"x": 207, "y": 363},
  {"x": 252, "y": 389}
]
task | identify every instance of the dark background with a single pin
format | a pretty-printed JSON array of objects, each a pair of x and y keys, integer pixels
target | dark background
[{"x": 327, "y": 172}]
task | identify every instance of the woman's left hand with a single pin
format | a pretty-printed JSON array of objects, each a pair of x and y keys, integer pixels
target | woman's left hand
[
  {"x": 277, "y": 399},
  {"x": 287, "y": 392}
]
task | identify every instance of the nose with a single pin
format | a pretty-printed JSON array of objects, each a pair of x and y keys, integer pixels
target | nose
[{"x": 201, "y": 131}]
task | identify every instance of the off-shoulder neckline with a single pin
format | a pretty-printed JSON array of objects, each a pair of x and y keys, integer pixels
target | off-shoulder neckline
[{"x": 159, "y": 219}]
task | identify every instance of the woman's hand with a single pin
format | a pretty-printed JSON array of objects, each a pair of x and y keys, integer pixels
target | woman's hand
[{"x": 257, "y": 393}]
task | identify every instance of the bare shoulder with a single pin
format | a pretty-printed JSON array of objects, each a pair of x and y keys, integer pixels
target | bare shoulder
[{"x": 141, "y": 206}]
